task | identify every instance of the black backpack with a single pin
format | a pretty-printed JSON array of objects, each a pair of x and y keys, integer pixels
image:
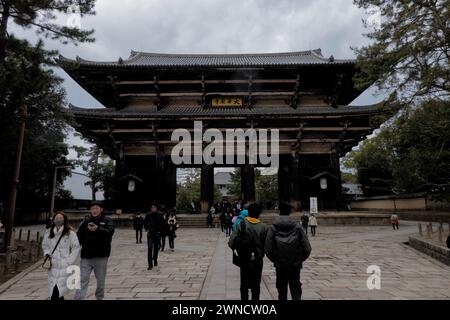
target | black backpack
[
  {"x": 288, "y": 249},
  {"x": 244, "y": 246}
]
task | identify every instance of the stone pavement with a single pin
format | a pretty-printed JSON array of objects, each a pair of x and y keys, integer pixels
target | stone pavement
[{"x": 201, "y": 268}]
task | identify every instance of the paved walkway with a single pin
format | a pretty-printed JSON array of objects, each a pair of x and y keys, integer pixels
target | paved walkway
[{"x": 201, "y": 268}]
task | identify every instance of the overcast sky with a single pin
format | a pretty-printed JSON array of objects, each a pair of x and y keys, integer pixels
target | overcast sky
[{"x": 212, "y": 26}]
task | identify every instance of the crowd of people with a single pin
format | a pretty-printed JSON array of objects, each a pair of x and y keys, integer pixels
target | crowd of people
[{"x": 285, "y": 243}]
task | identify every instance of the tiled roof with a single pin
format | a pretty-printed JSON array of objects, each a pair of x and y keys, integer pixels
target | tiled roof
[
  {"x": 143, "y": 59},
  {"x": 194, "y": 111}
]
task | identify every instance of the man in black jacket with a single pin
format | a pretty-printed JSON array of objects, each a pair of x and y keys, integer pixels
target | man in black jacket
[
  {"x": 153, "y": 224},
  {"x": 287, "y": 246},
  {"x": 95, "y": 236}
]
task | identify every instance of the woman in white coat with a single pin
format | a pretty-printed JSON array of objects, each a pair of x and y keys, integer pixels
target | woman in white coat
[
  {"x": 64, "y": 256},
  {"x": 313, "y": 224}
]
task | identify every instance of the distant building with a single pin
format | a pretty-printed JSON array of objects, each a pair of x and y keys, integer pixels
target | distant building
[
  {"x": 352, "y": 189},
  {"x": 223, "y": 180}
]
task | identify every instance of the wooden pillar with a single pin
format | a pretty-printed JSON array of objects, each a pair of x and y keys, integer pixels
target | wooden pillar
[
  {"x": 338, "y": 181},
  {"x": 295, "y": 196},
  {"x": 207, "y": 187},
  {"x": 168, "y": 189},
  {"x": 283, "y": 180},
  {"x": 248, "y": 183}
]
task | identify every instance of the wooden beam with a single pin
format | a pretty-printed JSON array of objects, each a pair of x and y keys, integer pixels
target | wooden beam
[
  {"x": 162, "y": 130},
  {"x": 216, "y": 81},
  {"x": 199, "y": 94}
]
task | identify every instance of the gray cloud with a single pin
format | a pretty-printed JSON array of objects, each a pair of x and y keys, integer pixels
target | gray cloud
[{"x": 205, "y": 26}]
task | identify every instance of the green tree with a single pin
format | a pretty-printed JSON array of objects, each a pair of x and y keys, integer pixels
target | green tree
[
  {"x": 99, "y": 167},
  {"x": 411, "y": 155},
  {"x": 266, "y": 189},
  {"x": 409, "y": 52},
  {"x": 26, "y": 78},
  {"x": 40, "y": 15},
  {"x": 24, "y": 81},
  {"x": 189, "y": 190},
  {"x": 234, "y": 188}
]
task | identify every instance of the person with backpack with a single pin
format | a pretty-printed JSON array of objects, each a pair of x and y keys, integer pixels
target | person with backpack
[
  {"x": 247, "y": 243},
  {"x": 287, "y": 246},
  {"x": 241, "y": 217}
]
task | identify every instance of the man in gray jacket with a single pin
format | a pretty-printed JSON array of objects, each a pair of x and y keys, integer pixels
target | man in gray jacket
[{"x": 287, "y": 246}]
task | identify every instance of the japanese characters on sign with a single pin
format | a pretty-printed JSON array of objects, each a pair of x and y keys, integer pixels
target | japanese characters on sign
[{"x": 227, "y": 102}]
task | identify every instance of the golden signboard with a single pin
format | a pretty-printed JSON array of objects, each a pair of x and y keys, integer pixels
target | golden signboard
[{"x": 227, "y": 102}]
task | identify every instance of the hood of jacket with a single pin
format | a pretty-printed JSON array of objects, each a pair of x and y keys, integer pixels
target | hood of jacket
[{"x": 285, "y": 225}]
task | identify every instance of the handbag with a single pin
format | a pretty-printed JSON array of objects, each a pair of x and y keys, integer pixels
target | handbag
[{"x": 47, "y": 264}]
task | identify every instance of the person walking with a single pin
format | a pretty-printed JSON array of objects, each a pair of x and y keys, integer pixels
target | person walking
[
  {"x": 223, "y": 221},
  {"x": 229, "y": 224},
  {"x": 313, "y": 224},
  {"x": 153, "y": 224},
  {"x": 95, "y": 235},
  {"x": 138, "y": 225},
  {"x": 305, "y": 221},
  {"x": 209, "y": 220},
  {"x": 394, "y": 221},
  {"x": 287, "y": 246},
  {"x": 164, "y": 232},
  {"x": 172, "y": 227},
  {"x": 250, "y": 252},
  {"x": 61, "y": 246}
]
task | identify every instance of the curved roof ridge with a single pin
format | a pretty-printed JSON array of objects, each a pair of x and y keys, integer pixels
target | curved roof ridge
[{"x": 315, "y": 52}]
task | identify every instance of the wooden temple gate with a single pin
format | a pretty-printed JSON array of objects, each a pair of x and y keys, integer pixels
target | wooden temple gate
[{"x": 147, "y": 96}]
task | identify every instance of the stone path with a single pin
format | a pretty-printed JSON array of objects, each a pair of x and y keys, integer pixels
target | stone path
[{"x": 201, "y": 268}]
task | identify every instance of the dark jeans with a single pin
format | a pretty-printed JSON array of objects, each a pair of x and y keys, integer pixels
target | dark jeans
[
  {"x": 395, "y": 225},
  {"x": 153, "y": 248},
  {"x": 251, "y": 280},
  {"x": 229, "y": 229},
  {"x": 313, "y": 230},
  {"x": 55, "y": 294},
  {"x": 222, "y": 226},
  {"x": 289, "y": 277},
  {"x": 138, "y": 235},
  {"x": 171, "y": 242},
  {"x": 305, "y": 227}
]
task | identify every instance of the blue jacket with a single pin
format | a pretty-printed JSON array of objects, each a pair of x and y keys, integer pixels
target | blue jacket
[{"x": 242, "y": 216}]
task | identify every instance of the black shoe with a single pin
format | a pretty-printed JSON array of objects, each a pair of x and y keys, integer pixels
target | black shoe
[
  {"x": 155, "y": 263},
  {"x": 149, "y": 268}
]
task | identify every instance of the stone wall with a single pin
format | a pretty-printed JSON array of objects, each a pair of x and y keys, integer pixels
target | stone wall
[{"x": 437, "y": 252}]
